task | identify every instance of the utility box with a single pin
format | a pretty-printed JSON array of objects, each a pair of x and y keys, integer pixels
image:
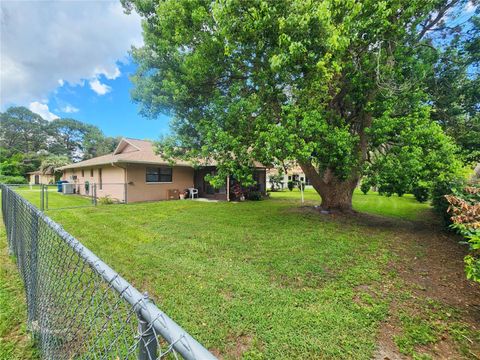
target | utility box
[
  {"x": 173, "y": 194},
  {"x": 68, "y": 188}
]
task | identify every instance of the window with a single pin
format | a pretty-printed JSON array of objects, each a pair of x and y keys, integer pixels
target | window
[
  {"x": 91, "y": 172},
  {"x": 159, "y": 174},
  {"x": 83, "y": 173},
  {"x": 100, "y": 184}
]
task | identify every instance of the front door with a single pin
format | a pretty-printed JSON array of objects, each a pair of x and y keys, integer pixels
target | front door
[{"x": 37, "y": 179}]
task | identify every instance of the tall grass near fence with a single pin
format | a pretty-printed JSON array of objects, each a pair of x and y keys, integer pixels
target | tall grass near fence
[{"x": 78, "y": 307}]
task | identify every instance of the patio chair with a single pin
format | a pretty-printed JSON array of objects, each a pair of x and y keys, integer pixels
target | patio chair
[{"x": 193, "y": 192}]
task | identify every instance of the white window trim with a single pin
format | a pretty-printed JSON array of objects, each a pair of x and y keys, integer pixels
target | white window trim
[{"x": 158, "y": 182}]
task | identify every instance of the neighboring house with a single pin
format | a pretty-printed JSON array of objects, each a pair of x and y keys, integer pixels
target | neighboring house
[
  {"x": 133, "y": 172},
  {"x": 294, "y": 173},
  {"x": 38, "y": 177}
]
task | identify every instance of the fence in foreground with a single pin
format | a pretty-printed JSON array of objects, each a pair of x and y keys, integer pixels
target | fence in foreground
[{"x": 78, "y": 307}]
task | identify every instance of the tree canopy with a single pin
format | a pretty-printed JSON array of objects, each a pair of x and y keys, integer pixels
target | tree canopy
[
  {"x": 27, "y": 141},
  {"x": 343, "y": 87}
]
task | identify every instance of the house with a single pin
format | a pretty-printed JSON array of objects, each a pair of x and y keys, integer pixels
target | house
[
  {"x": 39, "y": 177},
  {"x": 293, "y": 173},
  {"x": 133, "y": 173}
]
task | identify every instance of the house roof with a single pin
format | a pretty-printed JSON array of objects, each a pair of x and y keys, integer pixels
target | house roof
[
  {"x": 38, "y": 172},
  {"x": 131, "y": 151},
  {"x": 142, "y": 152}
]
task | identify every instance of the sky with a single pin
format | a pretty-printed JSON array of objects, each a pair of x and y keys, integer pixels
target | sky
[
  {"x": 67, "y": 58},
  {"x": 70, "y": 59}
]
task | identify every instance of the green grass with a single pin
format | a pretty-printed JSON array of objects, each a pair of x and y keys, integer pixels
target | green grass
[
  {"x": 14, "y": 341},
  {"x": 264, "y": 279},
  {"x": 261, "y": 280},
  {"x": 56, "y": 200},
  {"x": 405, "y": 207}
]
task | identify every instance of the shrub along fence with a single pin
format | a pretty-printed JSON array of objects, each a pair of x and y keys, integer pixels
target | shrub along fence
[{"x": 79, "y": 307}]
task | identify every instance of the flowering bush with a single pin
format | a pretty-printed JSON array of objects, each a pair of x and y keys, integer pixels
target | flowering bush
[{"x": 465, "y": 215}]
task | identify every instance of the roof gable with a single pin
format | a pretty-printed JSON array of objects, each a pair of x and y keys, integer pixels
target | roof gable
[{"x": 125, "y": 146}]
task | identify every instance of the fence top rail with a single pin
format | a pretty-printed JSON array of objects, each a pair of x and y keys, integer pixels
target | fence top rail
[{"x": 174, "y": 334}]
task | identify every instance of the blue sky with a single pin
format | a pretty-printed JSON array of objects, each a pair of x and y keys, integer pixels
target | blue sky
[
  {"x": 114, "y": 112},
  {"x": 71, "y": 59}
]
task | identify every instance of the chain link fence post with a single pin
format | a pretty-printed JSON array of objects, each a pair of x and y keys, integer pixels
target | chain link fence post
[
  {"x": 46, "y": 197},
  {"x": 42, "y": 199}
]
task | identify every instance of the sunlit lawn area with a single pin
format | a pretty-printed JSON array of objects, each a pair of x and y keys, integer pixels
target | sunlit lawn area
[
  {"x": 257, "y": 280},
  {"x": 403, "y": 207},
  {"x": 55, "y": 199}
]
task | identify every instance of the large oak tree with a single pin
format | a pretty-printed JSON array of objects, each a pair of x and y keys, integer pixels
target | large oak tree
[{"x": 338, "y": 85}]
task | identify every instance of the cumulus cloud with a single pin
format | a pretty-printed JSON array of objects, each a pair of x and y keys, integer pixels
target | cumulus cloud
[
  {"x": 42, "y": 110},
  {"x": 69, "y": 109},
  {"x": 99, "y": 88},
  {"x": 46, "y": 44}
]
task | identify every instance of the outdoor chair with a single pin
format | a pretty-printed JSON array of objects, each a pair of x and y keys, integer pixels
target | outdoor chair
[{"x": 193, "y": 192}]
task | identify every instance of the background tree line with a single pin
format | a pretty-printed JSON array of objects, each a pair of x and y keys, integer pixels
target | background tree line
[{"x": 28, "y": 143}]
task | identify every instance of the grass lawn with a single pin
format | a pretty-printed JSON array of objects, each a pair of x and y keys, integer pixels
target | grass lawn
[
  {"x": 14, "y": 342},
  {"x": 56, "y": 200},
  {"x": 405, "y": 207},
  {"x": 261, "y": 280}
]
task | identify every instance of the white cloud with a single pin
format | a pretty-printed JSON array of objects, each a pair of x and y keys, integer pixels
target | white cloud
[
  {"x": 470, "y": 7},
  {"x": 69, "y": 109},
  {"x": 99, "y": 88},
  {"x": 45, "y": 44},
  {"x": 42, "y": 110}
]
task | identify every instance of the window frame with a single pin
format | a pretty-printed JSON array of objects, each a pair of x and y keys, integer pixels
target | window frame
[{"x": 158, "y": 173}]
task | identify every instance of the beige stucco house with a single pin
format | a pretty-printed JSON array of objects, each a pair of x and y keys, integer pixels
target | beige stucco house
[
  {"x": 133, "y": 172},
  {"x": 38, "y": 177}
]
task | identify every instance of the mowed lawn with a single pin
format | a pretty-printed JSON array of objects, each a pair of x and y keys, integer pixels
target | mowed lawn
[
  {"x": 259, "y": 280},
  {"x": 54, "y": 199}
]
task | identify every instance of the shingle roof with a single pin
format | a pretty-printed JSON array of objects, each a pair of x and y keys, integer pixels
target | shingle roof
[{"x": 145, "y": 154}]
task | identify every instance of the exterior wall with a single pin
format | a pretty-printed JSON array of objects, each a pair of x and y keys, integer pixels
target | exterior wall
[
  {"x": 139, "y": 190},
  {"x": 42, "y": 179},
  {"x": 113, "y": 181}
]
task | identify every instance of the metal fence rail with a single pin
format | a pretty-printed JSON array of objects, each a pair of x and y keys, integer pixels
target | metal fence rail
[{"x": 79, "y": 307}]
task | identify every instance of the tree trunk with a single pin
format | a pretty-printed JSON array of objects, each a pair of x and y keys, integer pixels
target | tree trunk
[{"x": 336, "y": 194}]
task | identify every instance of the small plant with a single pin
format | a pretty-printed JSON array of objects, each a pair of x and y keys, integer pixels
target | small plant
[
  {"x": 365, "y": 187},
  {"x": 237, "y": 192},
  {"x": 421, "y": 193},
  {"x": 290, "y": 185},
  {"x": 465, "y": 215},
  {"x": 254, "y": 195},
  {"x": 106, "y": 200}
]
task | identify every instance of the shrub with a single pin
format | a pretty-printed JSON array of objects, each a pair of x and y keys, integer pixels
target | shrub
[
  {"x": 5, "y": 179},
  {"x": 421, "y": 193},
  {"x": 254, "y": 195},
  {"x": 465, "y": 216},
  {"x": 106, "y": 200},
  {"x": 365, "y": 187},
  {"x": 290, "y": 185},
  {"x": 439, "y": 202}
]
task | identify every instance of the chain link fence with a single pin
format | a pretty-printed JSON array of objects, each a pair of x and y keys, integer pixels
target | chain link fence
[
  {"x": 78, "y": 307},
  {"x": 72, "y": 195}
]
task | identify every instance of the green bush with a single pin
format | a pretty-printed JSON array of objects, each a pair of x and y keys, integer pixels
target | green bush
[
  {"x": 4, "y": 179},
  {"x": 365, "y": 187},
  {"x": 421, "y": 193},
  {"x": 439, "y": 202},
  {"x": 254, "y": 195},
  {"x": 290, "y": 185},
  {"x": 465, "y": 216}
]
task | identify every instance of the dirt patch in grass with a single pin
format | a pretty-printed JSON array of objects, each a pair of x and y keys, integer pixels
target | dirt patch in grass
[{"x": 435, "y": 311}]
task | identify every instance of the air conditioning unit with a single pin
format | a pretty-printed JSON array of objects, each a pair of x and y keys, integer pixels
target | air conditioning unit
[{"x": 68, "y": 188}]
